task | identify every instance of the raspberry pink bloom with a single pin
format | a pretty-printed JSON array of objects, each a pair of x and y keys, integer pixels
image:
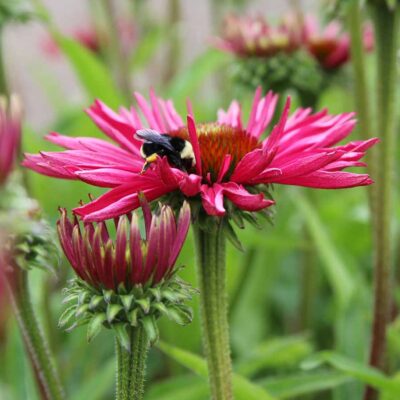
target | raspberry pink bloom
[
  {"x": 330, "y": 45},
  {"x": 10, "y": 135},
  {"x": 234, "y": 161}
]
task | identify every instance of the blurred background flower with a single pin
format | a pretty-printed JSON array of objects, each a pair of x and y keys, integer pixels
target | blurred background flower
[
  {"x": 331, "y": 45},
  {"x": 10, "y": 135}
]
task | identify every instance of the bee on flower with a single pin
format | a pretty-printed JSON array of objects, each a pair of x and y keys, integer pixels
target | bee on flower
[{"x": 234, "y": 161}]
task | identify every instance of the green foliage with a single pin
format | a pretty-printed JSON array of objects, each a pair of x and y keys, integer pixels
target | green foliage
[
  {"x": 92, "y": 73},
  {"x": 15, "y": 11},
  {"x": 264, "y": 280},
  {"x": 243, "y": 388},
  {"x": 389, "y": 387}
]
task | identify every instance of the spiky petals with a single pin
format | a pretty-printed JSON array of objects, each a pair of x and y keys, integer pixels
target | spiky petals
[
  {"x": 232, "y": 158},
  {"x": 331, "y": 46},
  {"x": 10, "y": 134},
  {"x": 130, "y": 259}
]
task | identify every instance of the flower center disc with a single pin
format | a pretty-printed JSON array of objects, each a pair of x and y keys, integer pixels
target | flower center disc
[{"x": 216, "y": 141}]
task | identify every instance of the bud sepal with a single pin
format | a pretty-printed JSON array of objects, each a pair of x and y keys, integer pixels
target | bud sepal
[{"x": 141, "y": 306}]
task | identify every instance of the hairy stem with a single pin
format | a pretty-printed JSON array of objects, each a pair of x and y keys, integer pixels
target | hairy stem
[
  {"x": 361, "y": 91},
  {"x": 131, "y": 366},
  {"x": 39, "y": 353},
  {"x": 210, "y": 247},
  {"x": 386, "y": 32}
]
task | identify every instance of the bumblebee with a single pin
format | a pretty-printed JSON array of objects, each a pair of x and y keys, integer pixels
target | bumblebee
[{"x": 178, "y": 151}]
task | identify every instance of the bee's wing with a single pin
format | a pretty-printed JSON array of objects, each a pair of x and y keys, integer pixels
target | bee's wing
[{"x": 152, "y": 136}]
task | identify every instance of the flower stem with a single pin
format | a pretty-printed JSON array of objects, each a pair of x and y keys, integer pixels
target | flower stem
[
  {"x": 210, "y": 247},
  {"x": 361, "y": 91},
  {"x": 386, "y": 32},
  {"x": 131, "y": 366},
  {"x": 43, "y": 364}
]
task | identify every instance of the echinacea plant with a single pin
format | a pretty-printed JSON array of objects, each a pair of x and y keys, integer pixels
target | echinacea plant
[
  {"x": 126, "y": 284},
  {"x": 297, "y": 54},
  {"x": 235, "y": 164},
  {"x": 267, "y": 55}
]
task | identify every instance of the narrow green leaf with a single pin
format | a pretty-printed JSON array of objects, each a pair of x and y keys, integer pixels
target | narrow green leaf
[
  {"x": 148, "y": 46},
  {"x": 243, "y": 388},
  {"x": 189, "y": 80},
  {"x": 93, "y": 75},
  {"x": 355, "y": 369},
  {"x": 97, "y": 386},
  {"x": 183, "y": 387},
  {"x": 300, "y": 384},
  {"x": 281, "y": 352},
  {"x": 335, "y": 268}
]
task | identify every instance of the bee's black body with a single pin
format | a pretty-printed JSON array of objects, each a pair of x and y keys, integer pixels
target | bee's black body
[{"x": 178, "y": 151}]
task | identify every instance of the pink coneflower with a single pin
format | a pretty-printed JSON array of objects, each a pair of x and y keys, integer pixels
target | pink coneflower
[
  {"x": 128, "y": 260},
  {"x": 331, "y": 46},
  {"x": 10, "y": 135},
  {"x": 253, "y": 36},
  {"x": 234, "y": 161}
]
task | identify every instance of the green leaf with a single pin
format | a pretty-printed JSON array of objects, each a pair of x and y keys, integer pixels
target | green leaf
[
  {"x": 189, "y": 80},
  {"x": 243, "y": 388},
  {"x": 93, "y": 75},
  {"x": 98, "y": 385},
  {"x": 276, "y": 353},
  {"x": 355, "y": 369},
  {"x": 183, "y": 387},
  {"x": 335, "y": 268},
  {"x": 148, "y": 46},
  {"x": 300, "y": 384}
]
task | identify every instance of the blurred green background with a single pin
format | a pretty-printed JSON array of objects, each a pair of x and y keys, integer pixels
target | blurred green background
[{"x": 301, "y": 286}]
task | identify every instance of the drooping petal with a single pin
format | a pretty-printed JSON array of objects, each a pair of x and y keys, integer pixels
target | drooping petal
[
  {"x": 244, "y": 200},
  {"x": 212, "y": 198}
]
